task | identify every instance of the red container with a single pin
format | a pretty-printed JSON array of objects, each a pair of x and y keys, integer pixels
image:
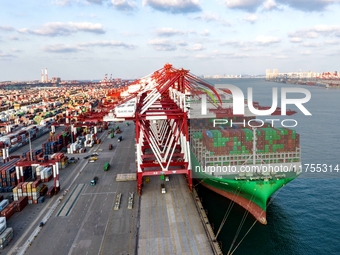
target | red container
[
  {"x": 8, "y": 212},
  {"x": 36, "y": 183}
]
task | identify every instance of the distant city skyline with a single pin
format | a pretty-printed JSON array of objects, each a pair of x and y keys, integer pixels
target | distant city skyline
[{"x": 86, "y": 39}]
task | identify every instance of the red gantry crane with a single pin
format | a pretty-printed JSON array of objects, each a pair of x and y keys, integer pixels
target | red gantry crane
[
  {"x": 161, "y": 105},
  {"x": 157, "y": 105}
]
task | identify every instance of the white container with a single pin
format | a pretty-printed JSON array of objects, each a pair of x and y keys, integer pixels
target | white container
[{"x": 3, "y": 226}]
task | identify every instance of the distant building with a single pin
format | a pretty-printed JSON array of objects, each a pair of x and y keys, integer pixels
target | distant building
[
  {"x": 271, "y": 75},
  {"x": 56, "y": 79},
  {"x": 290, "y": 75}
]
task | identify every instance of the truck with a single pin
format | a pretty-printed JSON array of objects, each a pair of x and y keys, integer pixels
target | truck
[
  {"x": 163, "y": 191},
  {"x": 72, "y": 160},
  {"x": 94, "y": 181},
  {"x": 106, "y": 166},
  {"x": 50, "y": 192}
]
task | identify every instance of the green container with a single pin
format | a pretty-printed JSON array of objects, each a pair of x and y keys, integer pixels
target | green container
[{"x": 198, "y": 135}]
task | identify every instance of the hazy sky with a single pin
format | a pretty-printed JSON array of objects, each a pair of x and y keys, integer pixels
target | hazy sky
[{"x": 86, "y": 39}]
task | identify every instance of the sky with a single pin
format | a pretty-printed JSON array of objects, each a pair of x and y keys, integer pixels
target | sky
[{"x": 86, "y": 39}]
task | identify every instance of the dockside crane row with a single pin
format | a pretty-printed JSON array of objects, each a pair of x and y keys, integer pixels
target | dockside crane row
[{"x": 157, "y": 105}]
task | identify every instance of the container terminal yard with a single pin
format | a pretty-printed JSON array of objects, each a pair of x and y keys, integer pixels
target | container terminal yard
[
  {"x": 108, "y": 169},
  {"x": 85, "y": 219},
  {"x": 69, "y": 179}
]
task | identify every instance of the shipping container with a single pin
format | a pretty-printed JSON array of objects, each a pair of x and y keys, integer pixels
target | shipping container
[
  {"x": 6, "y": 237},
  {"x": 50, "y": 192},
  {"x": 3, "y": 204}
]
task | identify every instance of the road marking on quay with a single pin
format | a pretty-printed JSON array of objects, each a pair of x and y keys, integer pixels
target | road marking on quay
[
  {"x": 75, "y": 242},
  {"x": 99, "y": 193},
  {"x": 108, "y": 224},
  {"x": 71, "y": 200},
  {"x": 165, "y": 223}
]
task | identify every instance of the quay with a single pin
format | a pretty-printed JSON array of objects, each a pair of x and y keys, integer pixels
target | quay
[
  {"x": 85, "y": 219},
  {"x": 170, "y": 223}
]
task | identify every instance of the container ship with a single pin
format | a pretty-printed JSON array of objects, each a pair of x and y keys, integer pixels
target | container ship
[
  {"x": 242, "y": 163},
  {"x": 247, "y": 165}
]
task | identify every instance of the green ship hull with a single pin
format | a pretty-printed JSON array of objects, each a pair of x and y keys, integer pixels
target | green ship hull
[{"x": 252, "y": 195}]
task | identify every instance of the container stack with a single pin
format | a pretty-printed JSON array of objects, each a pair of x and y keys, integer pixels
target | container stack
[
  {"x": 46, "y": 174},
  {"x": 8, "y": 175},
  {"x": 3, "y": 224},
  {"x": 66, "y": 139},
  {"x": 27, "y": 172},
  {"x": 24, "y": 189},
  {"x": 27, "y": 154},
  {"x": 20, "y": 204},
  {"x": 6, "y": 237},
  {"x": 7, "y": 210},
  {"x": 49, "y": 147},
  {"x": 60, "y": 140},
  {"x": 200, "y": 124},
  {"x": 38, "y": 170},
  {"x": 3, "y": 204},
  {"x": 6, "y": 234},
  {"x": 29, "y": 191},
  {"x": 62, "y": 160},
  {"x": 63, "y": 163},
  {"x": 35, "y": 192},
  {"x": 240, "y": 141}
]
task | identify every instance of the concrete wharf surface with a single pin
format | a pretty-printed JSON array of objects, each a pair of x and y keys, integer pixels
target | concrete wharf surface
[
  {"x": 85, "y": 222},
  {"x": 90, "y": 225},
  {"x": 169, "y": 223}
]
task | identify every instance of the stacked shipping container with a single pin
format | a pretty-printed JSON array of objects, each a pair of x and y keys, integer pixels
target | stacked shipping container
[
  {"x": 6, "y": 234},
  {"x": 7, "y": 210},
  {"x": 62, "y": 139},
  {"x": 30, "y": 190},
  {"x": 27, "y": 155},
  {"x": 8, "y": 175},
  {"x": 240, "y": 141},
  {"x": 6, "y": 237}
]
